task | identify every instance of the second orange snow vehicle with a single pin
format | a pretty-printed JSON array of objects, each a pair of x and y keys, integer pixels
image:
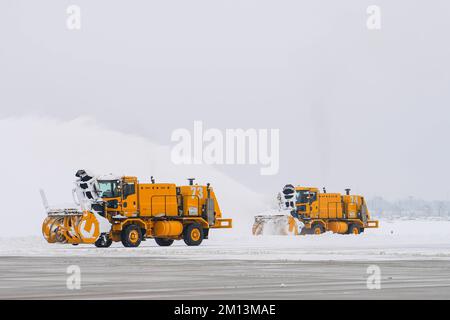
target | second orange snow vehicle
[
  {"x": 310, "y": 211},
  {"x": 124, "y": 209}
]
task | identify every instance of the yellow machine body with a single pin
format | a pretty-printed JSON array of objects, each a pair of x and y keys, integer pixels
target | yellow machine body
[
  {"x": 334, "y": 212},
  {"x": 315, "y": 212},
  {"x": 338, "y": 226},
  {"x": 155, "y": 210},
  {"x": 168, "y": 229}
]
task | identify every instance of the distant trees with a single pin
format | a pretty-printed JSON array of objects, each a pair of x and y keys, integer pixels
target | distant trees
[{"x": 408, "y": 207}]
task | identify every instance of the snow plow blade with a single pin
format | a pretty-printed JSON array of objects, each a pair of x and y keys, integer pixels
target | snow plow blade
[{"x": 276, "y": 225}]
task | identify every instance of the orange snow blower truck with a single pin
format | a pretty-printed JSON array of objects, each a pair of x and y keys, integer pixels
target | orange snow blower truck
[
  {"x": 309, "y": 211},
  {"x": 122, "y": 209}
]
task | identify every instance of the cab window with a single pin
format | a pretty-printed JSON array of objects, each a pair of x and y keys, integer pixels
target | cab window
[
  {"x": 128, "y": 189},
  {"x": 305, "y": 196},
  {"x": 109, "y": 189}
]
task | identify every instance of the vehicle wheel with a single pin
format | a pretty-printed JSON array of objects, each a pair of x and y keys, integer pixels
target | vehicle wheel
[
  {"x": 103, "y": 241},
  {"x": 131, "y": 236},
  {"x": 163, "y": 242},
  {"x": 193, "y": 234},
  {"x": 317, "y": 229},
  {"x": 354, "y": 229}
]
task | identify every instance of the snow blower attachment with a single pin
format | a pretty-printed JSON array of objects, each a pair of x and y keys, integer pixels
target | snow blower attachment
[
  {"x": 113, "y": 208},
  {"x": 77, "y": 225},
  {"x": 306, "y": 210},
  {"x": 279, "y": 224}
]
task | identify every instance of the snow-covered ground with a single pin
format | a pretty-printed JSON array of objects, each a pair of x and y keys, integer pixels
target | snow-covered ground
[{"x": 394, "y": 240}]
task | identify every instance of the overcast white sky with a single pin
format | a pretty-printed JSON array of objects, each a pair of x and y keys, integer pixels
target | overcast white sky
[{"x": 355, "y": 108}]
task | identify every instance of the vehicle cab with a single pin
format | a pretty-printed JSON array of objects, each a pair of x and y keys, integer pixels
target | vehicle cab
[
  {"x": 306, "y": 202},
  {"x": 119, "y": 194}
]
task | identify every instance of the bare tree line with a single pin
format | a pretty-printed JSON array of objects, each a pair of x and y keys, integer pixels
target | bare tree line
[{"x": 409, "y": 207}]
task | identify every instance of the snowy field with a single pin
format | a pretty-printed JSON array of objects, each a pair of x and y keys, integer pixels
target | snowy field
[{"x": 394, "y": 240}]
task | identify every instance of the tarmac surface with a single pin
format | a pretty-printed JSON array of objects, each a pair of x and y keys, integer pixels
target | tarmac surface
[{"x": 156, "y": 278}]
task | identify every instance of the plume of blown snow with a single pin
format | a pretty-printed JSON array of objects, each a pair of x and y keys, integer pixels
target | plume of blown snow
[{"x": 45, "y": 153}]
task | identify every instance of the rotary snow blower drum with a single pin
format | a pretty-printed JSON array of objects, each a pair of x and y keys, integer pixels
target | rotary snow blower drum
[
  {"x": 71, "y": 227},
  {"x": 276, "y": 225}
]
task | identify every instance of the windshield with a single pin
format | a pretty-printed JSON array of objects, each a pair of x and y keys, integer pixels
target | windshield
[
  {"x": 109, "y": 189},
  {"x": 304, "y": 195}
]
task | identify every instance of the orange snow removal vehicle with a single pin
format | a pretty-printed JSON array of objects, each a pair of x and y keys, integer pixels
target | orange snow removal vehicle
[
  {"x": 111, "y": 208},
  {"x": 309, "y": 211}
]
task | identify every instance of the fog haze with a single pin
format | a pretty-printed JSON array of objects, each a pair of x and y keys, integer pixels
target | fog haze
[{"x": 355, "y": 107}]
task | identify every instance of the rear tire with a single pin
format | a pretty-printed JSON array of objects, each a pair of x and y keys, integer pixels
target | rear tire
[
  {"x": 131, "y": 236},
  {"x": 163, "y": 242},
  {"x": 193, "y": 234},
  {"x": 354, "y": 229}
]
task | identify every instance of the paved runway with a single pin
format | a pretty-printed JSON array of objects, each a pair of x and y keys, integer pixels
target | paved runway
[{"x": 149, "y": 278}]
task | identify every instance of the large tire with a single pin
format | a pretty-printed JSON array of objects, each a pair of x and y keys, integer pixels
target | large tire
[
  {"x": 317, "y": 229},
  {"x": 103, "y": 242},
  {"x": 164, "y": 242},
  {"x": 193, "y": 234},
  {"x": 131, "y": 236},
  {"x": 354, "y": 229}
]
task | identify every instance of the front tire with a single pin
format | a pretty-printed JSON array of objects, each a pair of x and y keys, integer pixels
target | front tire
[
  {"x": 193, "y": 234},
  {"x": 131, "y": 236},
  {"x": 317, "y": 229},
  {"x": 163, "y": 242},
  {"x": 103, "y": 241}
]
